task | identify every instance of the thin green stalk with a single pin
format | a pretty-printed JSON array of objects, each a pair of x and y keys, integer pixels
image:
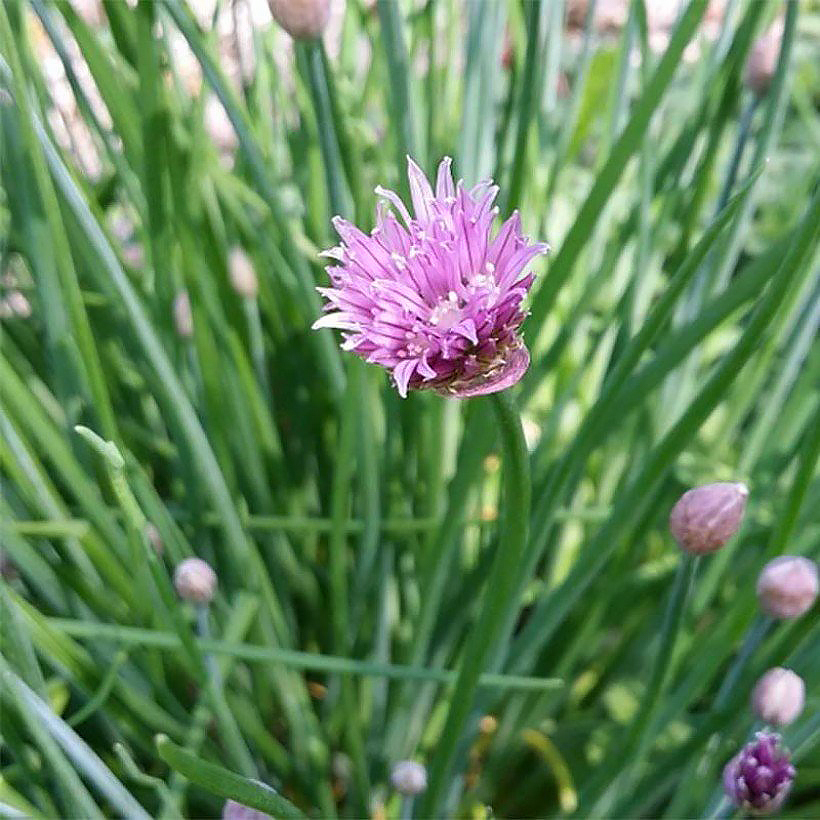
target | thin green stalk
[
  {"x": 204, "y": 666},
  {"x": 630, "y": 755},
  {"x": 808, "y": 459},
  {"x": 526, "y": 106},
  {"x": 554, "y": 608},
  {"x": 219, "y": 781},
  {"x": 329, "y": 664},
  {"x": 326, "y": 348},
  {"x": 97, "y": 701},
  {"x": 256, "y": 339},
  {"x": 340, "y": 605},
  {"x": 499, "y": 598},
  {"x": 485, "y": 39},
  {"x": 72, "y": 793},
  {"x": 341, "y": 201},
  {"x": 401, "y": 103},
  {"x": 37, "y": 712},
  {"x": 63, "y": 260},
  {"x": 629, "y": 141},
  {"x": 569, "y": 119},
  {"x": 154, "y": 154}
]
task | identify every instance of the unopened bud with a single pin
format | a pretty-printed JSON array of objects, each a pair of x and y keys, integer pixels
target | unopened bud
[
  {"x": 302, "y": 19},
  {"x": 409, "y": 778},
  {"x": 19, "y": 304},
  {"x": 779, "y": 697},
  {"x": 759, "y": 778},
  {"x": 195, "y": 581},
  {"x": 183, "y": 317},
  {"x": 762, "y": 61},
  {"x": 236, "y": 811},
  {"x": 154, "y": 538},
  {"x": 218, "y": 125},
  {"x": 787, "y": 586},
  {"x": 706, "y": 517},
  {"x": 241, "y": 273},
  {"x": 342, "y": 767}
]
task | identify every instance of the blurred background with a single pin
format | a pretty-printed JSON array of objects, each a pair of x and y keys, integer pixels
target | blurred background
[{"x": 169, "y": 173}]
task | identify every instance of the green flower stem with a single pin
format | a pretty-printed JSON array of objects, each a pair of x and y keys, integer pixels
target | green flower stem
[
  {"x": 256, "y": 337},
  {"x": 340, "y": 199},
  {"x": 639, "y": 739},
  {"x": 337, "y": 549},
  {"x": 399, "y": 72},
  {"x": 526, "y": 106},
  {"x": 499, "y": 598},
  {"x": 700, "y": 765}
]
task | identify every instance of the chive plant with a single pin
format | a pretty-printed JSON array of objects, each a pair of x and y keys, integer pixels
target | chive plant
[{"x": 421, "y": 538}]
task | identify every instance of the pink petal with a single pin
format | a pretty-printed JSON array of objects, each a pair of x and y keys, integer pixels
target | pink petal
[
  {"x": 402, "y": 373},
  {"x": 420, "y": 191},
  {"x": 393, "y": 198},
  {"x": 444, "y": 181}
]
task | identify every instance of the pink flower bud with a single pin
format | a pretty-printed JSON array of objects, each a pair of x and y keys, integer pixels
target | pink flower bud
[
  {"x": 154, "y": 538},
  {"x": 236, "y": 811},
  {"x": 787, "y": 586},
  {"x": 779, "y": 697},
  {"x": 706, "y": 517},
  {"x": 195, "y": 581},
  {"x": 409, "y": 778},
  {"x": 183, "y": 317},
  {"x": 762, "y": 62},
  {"x": 241, "y": 273},
  {"x": 302, "y": 19}
]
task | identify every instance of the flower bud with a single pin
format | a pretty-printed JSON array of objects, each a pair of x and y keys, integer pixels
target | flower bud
[
  {"x": 762, "y": 62},
  {"x": 236, "y": 811},
  {"x": 218, "y": 126},
  {"x": 409, "y": 778},
  {"x": 759, "y": 778},
  {"x": 779, "y": 697},
  {"x": 706, "y": 517},
  {"x": 787, "y": 586},
  {"x": 241, "y": 273},
  {"x": 195, "y": 581},
  {"x": 154, "y": 538},
  {"x": 302, "y": 19},
  {"x": 183, "y": 317}
]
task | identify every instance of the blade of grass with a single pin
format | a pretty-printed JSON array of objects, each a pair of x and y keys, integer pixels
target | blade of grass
[
  {"x": 225, "y": 783},
  {"x": 625, "y": 146},
  {"x": 499, "y": 598},
  {"x": 74, "y": 747}
]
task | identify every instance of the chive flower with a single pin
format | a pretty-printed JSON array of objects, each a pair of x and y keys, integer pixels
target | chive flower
[
  {"x": 241, "y": 274},
  {"x": 706, "y": 517},
  {"x": 302, "y": 19},
  {"x": 762, "y": 63},
  {"x": 435, "y": 298},
  {"x": 779, "y": 697},
  {"x": 232, "y": 810},
  {"x": 759, "y": 778},
  {"x": 409, "y": 778},
  {"x": 195, "y": 581},
  {"x": 787, "y": 586},
  {"x": 183, "y": 316}
]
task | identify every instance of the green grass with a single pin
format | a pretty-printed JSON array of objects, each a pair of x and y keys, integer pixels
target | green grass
[{"x": 398, "y": 578}]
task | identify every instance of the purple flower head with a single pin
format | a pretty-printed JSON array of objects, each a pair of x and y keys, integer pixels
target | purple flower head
[
  {"x": 760, "y": 776},
  {"x": 434, "y": 298}
]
